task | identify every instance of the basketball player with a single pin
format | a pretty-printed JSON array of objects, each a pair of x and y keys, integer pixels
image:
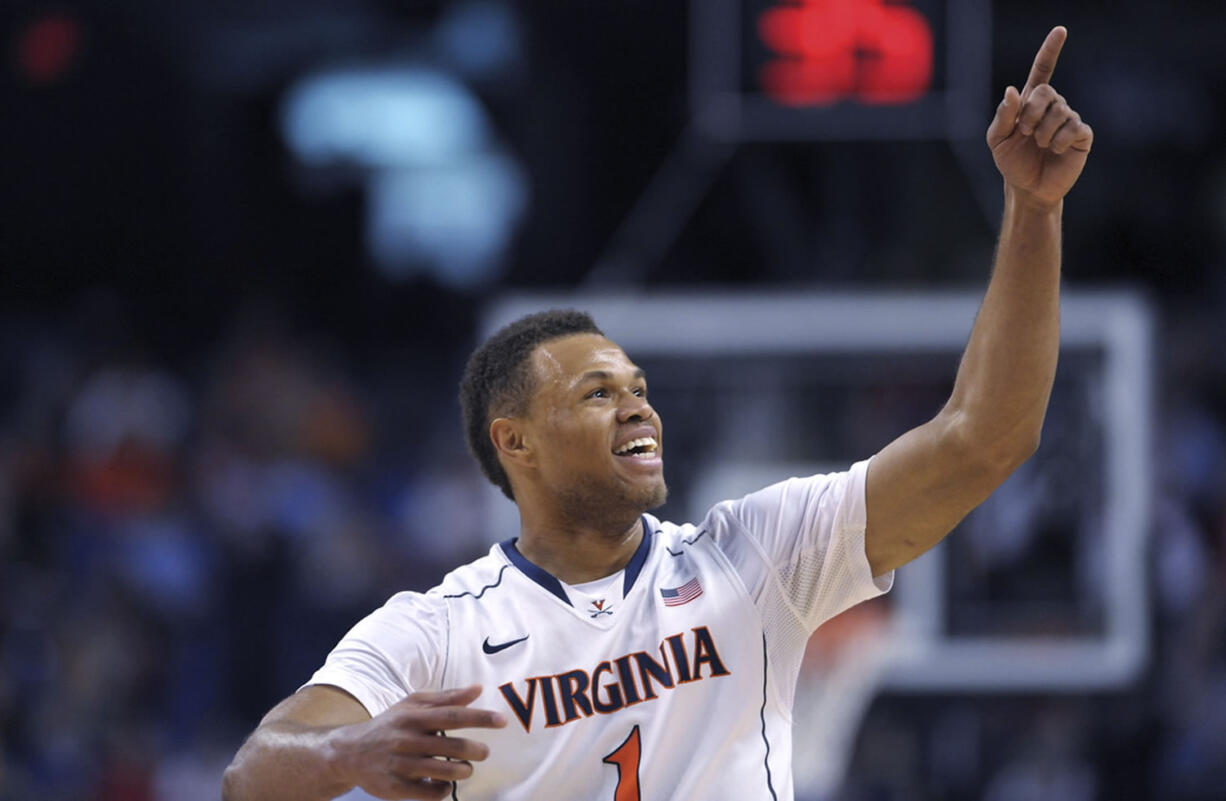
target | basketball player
[{"x": 618, "y": 657}]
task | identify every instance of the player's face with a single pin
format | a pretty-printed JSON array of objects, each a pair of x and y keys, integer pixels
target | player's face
[{"x": 598, "y": 441}]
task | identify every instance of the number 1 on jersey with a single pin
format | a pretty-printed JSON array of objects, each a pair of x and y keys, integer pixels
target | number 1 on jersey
[{"x": 626, "y": 758}]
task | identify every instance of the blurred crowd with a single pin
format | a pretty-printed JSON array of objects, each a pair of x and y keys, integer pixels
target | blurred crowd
[{"x": 180, "y": 547}]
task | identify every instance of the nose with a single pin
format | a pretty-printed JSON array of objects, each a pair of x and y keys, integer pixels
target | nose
[{"x": 635, "y": 409}]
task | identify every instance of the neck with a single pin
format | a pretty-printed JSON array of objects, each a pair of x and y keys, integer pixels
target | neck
[{"x": 575, "y": 553}]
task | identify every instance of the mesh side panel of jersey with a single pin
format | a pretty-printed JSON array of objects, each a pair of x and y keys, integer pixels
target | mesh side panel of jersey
[
  {"x": 785, "y": 634},
  {"x": 805, "y": 595},
  {"x": 811, "y": 592}
]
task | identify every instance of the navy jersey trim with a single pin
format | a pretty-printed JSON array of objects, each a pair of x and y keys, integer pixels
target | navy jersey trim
[
  {"x": 767, "y": 761},
  {"x": 483, "y": 589},
  {"x": 690, "y": 541},
  {"x": 542, "y": 577},
  {"x": 537, "y": 574},
  {"x": 635, "y": 566}
]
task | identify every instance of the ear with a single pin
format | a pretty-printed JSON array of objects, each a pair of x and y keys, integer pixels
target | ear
[{"x": 510, "y": 440}]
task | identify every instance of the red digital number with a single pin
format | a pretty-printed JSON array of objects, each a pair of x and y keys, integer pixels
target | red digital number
[{"x": 869, "y": 51}]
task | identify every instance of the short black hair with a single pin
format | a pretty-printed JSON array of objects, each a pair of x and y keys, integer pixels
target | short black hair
[{"x": 498, "y": 380}]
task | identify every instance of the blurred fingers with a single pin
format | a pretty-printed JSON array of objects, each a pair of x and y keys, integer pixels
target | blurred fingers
[
  {"x": 452, "y": 717},
  {"x": 461, "y": 748},
  {"x": 460, "y": 696},
  {"x": 1005, "y": 121},
  {"x": 1073, "y": 135},
  {"x": 423, "y": 789},
  {"x": 1035, "y": 107},
  {"x": 446, "y": 709},
  {"x": 440, "y": 770},
  {"x": 410, "y": 769},
  {"x": 1057, "y": 116},
  {"x": 431, "y": 746}
]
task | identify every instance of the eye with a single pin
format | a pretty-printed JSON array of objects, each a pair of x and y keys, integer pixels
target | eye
[
  {"x": 640, "y": 392},
  {"x": 598, "y": 393}
]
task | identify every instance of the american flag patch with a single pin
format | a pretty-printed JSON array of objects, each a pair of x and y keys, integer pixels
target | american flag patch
[{"x": 683, "y": 594}]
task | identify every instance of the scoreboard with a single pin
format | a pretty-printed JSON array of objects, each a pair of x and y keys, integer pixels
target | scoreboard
[{"x": 840, "y": 69}]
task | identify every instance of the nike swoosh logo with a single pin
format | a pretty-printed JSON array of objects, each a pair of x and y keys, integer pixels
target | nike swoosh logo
[{"x": 493, "y": 649}]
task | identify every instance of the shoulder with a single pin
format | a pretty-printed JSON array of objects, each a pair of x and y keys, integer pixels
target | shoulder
[
  {"x": 809, "y": 503},
  {"x": 669, "y": 534},
  {"x": 678, "y": 538},
  {"x": 775, "y": 521},
  {"x": 475, "y": 579},
  {"x": 429, "y": 609}
]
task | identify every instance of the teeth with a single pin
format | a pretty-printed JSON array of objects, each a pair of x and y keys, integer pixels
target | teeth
[{"x": 649, "y": 443}]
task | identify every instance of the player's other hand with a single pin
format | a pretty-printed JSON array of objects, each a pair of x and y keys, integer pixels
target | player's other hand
[
  {"x": 404, "y": 753},
  {"x": 1039, "y": 143}
]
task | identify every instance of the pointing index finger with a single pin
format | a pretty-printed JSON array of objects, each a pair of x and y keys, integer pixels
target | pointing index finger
[{"x": 1045, "y": 61}]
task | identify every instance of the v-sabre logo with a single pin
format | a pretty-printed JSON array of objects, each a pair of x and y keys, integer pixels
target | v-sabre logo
[{"x": 616, "y": 683}]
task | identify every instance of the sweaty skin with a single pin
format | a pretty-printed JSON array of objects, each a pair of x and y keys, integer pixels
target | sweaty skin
[{"x": 579, "y": 504}]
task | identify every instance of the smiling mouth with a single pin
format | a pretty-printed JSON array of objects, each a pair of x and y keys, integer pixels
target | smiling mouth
[{"x": 641, "y": 448}]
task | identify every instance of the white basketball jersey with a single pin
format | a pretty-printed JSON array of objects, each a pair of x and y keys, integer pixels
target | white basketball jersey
[{"x": 675, "y": 686}]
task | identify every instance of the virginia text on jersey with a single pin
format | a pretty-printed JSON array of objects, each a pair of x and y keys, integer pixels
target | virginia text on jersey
[{"x": 612, "y": 685}]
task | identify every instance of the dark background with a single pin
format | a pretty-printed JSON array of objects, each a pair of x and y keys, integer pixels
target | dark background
[{"x": 226, "y": 433}]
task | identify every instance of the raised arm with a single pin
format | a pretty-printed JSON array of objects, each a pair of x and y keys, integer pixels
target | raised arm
[
  {"x": 921, "y": 485},
  {"x": 320, "y": 743}
]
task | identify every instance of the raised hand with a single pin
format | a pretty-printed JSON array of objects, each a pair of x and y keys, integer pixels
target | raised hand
[
  {"x": 1039, "y": 143},
  {"x": 403, "y": 752}
]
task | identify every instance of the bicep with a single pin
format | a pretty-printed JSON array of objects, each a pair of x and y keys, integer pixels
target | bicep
[
  {"x": 919, "y": 487},
  {"x": 318, "y": 705}
]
